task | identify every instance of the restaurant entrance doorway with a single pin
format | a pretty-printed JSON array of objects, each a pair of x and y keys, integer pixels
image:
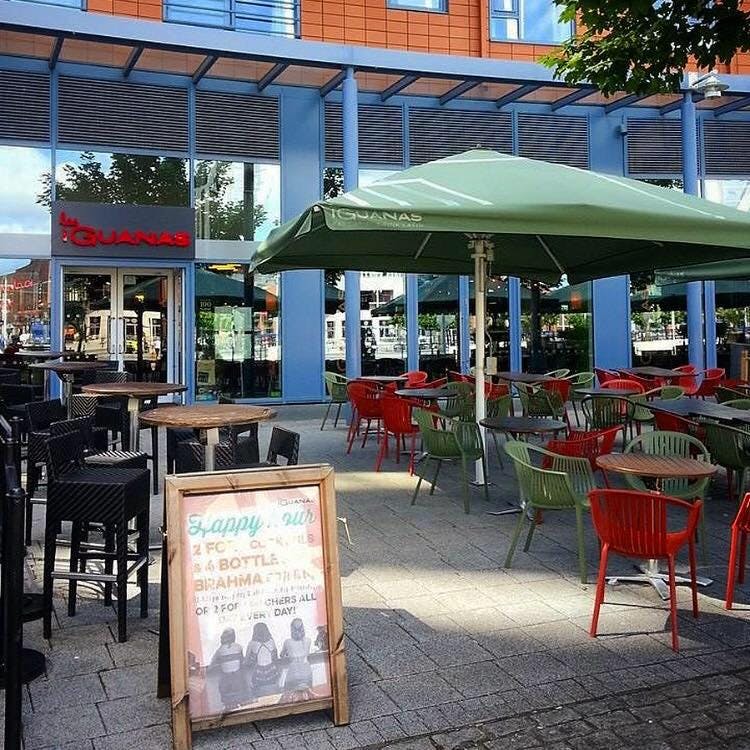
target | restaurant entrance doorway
[{"x": 132, "y": 316}]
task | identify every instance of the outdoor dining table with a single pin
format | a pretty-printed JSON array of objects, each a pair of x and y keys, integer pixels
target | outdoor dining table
[
  {"x": 529, "y": 378},
  {"x": 696, "y": 407},
  {"x": 37, "y": 355},
  {"x": 655, "y": 469},
  {"x": 598, "y": 391},
  {"x": 425, "y": 394},
  {"x": 523, "y": 426},
  {"x": 383, "y": 379},
  {"x": 66, "y": 371},
  {"x": 208, "y": 417},
  {"x": 135, "y": 393},
  {"x": 653, "y": 372}
]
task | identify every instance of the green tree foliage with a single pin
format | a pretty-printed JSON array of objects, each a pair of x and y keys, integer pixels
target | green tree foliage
[
  {"x": 163, "y": 181},
  {"x": 642, "y": 46}
]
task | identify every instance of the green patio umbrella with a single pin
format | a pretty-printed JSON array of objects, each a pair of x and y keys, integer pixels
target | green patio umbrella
[
  {"x": 521, "y": 217},
  {"x": 738, "y": 269}
]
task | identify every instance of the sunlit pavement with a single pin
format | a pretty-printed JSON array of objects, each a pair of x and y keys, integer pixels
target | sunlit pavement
[{"x": 440, "y": 636}]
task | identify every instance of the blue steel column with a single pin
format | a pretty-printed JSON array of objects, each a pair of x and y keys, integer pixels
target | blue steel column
[
  {"x": 350, "y": 130},
  {"x": 464, "y": 333},
  {"x": 709, "y": 305},
  {"x": 514, "y": 316},
  {"x": 690, "y": 183},
  {"x": 412, "y": 322}
]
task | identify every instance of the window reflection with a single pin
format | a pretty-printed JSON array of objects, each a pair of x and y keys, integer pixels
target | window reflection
[
  {"x": 658, "y": 314},
  {"x": 23, "y": 208},
  {"x": 236, "y": 200},
  {"x": 556, "y": 327},
  {"x": 438, "y": 324},
  {"x": 382, "y": 308},
  {"x": 732, "y": 295},
  {"x": 24, "y": 304},
  {"x": 238, "y": 344},
  {"x": 119, "y": 178}
]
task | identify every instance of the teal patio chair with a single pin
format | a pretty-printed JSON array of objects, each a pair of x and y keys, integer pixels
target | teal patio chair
[
  {"x": 738, "y": 403},
  {"x": 459, "y": 441},
  {"x": 730, "y": 448},
  {"x": 539, "y": 402},
  {"x": 602, "y": 412},
  {"x": 579, "y": 380},
  {"x": 664, "y": 443},
  {"x": 497, "y": 408},
  {"x": 550, "y": 482},
  {"x": 336, "y": 388}
]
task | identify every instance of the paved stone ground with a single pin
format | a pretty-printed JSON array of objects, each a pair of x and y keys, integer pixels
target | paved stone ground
[{"x": 440, "y": 637}]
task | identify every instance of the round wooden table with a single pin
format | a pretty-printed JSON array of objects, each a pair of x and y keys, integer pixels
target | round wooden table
[
  {"x": 67, "y": 370},
  {"x": 425, "y": 394},
  {"x": 208, "y": 417},
  {"x": 518, "y": 426},
  {"x": 657, "y": 469},
  {"x": 598, "y": 391},
  {"x": 383, "y": 378},
  {"x": 135, "y": 392}
]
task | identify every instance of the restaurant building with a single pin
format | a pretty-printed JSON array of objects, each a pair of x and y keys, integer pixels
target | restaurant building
[{"x": 223, "y": 118}]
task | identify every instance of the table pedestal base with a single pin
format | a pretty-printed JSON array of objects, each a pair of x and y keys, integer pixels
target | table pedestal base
[{"x": 649, "y": 573}]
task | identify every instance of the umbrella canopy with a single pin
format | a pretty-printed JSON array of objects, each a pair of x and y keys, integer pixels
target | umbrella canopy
[
  {"x": 545, "y": 220},
  {"x": 440, "y": 295},
  {"x": 727, "y": 269}
]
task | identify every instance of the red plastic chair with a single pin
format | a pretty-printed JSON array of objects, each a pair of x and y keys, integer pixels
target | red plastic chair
[
  {"x": 603, "y": 375},
  {"x": 438, "y": 383},
  {"x": 624, "y": 384},
  {"x": 453, "y": 375},
  {"x": 707, "y": 386},
  {"x": 738, "y": 549},
  {"x": 674, "y": 423},
  {"x": 648, "y": 383},
  {"x": 496, "y": 390},
  {"x": 559, "y": 385},
  {"x": 416, "y": 379},
  {"x": 586, "y": 444},
  {"x": 397, "y": 422},
  {"x": 689, "y": 381},
  {"x": 367, "y": 406},
  {"x": 635, "y": 524}
]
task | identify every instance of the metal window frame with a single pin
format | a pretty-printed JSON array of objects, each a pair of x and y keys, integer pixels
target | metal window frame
[
  {"x": 519, "y": 14},
  {"x": 406, "y": 6}
]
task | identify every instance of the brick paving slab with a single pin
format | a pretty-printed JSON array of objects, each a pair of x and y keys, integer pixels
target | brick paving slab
[{"x": 445, "y": 646}]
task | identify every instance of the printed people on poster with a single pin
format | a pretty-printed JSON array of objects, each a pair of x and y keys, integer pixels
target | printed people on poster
[{"x": 255, "y": 587}]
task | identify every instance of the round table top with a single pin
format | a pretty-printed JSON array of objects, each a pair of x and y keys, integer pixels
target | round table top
[
  {"x": 64, "y": 366},
  {"x": 655, "y": 467},
  {"x": 206, "y": 416},
  {"x": 597, "y": 391},
  {"x": 37, "y": 354},
  {"x": 526, "y": 425},
  {"x": 427, "y": 394},
  {"x": 523, "y": 377},
  {"x": 133, "y": 389},
  {"x": 383, "y": 378}
]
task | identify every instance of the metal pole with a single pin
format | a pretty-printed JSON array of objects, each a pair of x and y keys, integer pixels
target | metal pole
[
  {"x": 350, "y": 136},
  {"x": 464, "y": 335},
  {"x": 690, "y": 186},
  {"x": 514, "y": 317},
  {"x": 412, "y": 322},
  {"x": 482, "y": 251}
]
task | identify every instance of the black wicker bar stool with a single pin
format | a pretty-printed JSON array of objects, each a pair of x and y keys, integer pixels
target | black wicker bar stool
[
  {"x": 84, "y": 495},
  {"x": 39, "y": 416}
]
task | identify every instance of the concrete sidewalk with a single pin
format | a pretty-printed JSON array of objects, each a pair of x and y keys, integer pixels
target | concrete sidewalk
[{"x": 439, "y": 635}]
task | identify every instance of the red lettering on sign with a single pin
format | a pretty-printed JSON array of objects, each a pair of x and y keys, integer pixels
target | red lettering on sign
[{"x": 83, "y": 236}]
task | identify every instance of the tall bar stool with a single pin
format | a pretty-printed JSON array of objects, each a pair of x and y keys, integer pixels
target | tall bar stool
[{"x": 84, "y": 495}]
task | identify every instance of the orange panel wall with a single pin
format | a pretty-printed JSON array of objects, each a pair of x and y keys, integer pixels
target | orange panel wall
[{"x": 149, "y": 9}]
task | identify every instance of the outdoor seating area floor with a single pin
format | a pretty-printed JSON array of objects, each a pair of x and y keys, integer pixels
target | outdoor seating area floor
[{"x": 440, "y": 637}]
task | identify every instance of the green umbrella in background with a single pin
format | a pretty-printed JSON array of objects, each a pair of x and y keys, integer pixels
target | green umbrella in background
[
  {"x": 738, "y": 269},
  {"x": 483, "y": 212}
]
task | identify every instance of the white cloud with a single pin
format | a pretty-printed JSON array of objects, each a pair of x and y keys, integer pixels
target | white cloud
[{"x": 20, "y": 183}]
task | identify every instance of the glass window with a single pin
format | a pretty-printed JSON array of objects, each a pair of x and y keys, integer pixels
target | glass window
[
  {"x": 24, "y": 303},
  {"x": 25, "y": 199},
  {"x": 435, "y": 5},
  {"x": 658, "y": 315},
  {"x": 556, "y": 331},
  {"x": 122, "y": 178},
  {"x": 263, "y": 16},
  {"x": 438, "y": 324},
  {"x": 236, "y": 200},
  {"x": 382, "y": 309},
  {"x": 238, "y": 339},
  {"x": 528, "y": 21},
  {"x": 61, "y": 3},
  {"x": 732, "y": 296}
]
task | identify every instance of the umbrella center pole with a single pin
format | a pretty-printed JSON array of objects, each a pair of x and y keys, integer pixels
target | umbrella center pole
[{"x": 482, "y": 251}]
